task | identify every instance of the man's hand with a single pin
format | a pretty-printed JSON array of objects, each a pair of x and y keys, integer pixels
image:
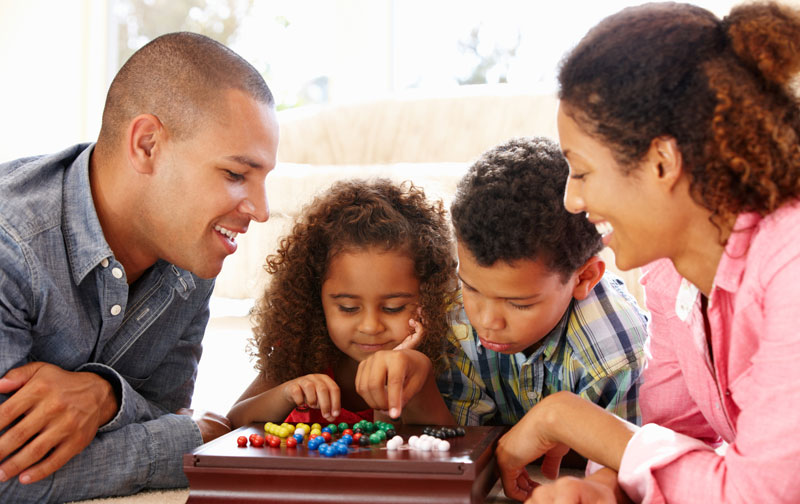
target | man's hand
[
  {"x": 58, "y": 415},
  {"x": 389, "y": 378},
  {"x": 212, "y": 425}
]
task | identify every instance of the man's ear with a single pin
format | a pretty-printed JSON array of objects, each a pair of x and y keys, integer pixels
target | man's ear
[
  {"x": 666, "y": 160},
  {"x": 587, "y": 276},
  {"x": 145, "y": 131}
]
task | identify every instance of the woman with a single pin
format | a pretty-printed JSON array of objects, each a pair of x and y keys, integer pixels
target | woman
[{"x": 683, "y": 137}]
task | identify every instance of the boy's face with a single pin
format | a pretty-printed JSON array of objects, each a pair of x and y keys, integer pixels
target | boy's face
[{"x": 512, "y": 306}]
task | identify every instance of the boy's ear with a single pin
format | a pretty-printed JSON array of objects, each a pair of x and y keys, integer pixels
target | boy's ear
[
  {"x": 587, "y": 277},
  {"x": 144, "y": 133}
]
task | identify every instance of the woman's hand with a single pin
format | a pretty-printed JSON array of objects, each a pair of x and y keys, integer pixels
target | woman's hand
[{"x": 317, "y": 391}]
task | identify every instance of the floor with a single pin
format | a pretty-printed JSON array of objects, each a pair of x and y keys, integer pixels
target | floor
[{"x": 225, "y": 367}]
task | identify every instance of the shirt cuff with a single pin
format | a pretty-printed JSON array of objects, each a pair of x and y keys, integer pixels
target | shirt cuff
[
  {"x": 118, "y": 383},
  {"x": 651, "y": 448},
  {"x": 170, "y": 437}
]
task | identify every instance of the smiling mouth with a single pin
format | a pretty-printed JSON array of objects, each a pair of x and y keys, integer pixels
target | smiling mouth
[
  {"x": 227, "y": 232},
  {"x": 604, "y": 228}
]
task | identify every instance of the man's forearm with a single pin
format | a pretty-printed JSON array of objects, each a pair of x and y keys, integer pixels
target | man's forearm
[{"x": 121, "y": 462}]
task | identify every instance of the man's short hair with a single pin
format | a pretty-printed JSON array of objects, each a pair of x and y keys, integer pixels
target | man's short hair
[
  {"x": 179, "y": 78},
  {"x": 510, "y": 206}
]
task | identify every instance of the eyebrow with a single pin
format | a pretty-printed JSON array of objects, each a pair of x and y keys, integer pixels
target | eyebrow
[
  {"x": 532, "y": 297},
  {"x": 391, "y": 295},
  {"x": 245, "y": 160}
]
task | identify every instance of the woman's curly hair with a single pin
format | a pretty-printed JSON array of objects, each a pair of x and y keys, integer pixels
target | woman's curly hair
[
  {"x": 290, "y": 335},
  {"x": 720, "y": 88}
]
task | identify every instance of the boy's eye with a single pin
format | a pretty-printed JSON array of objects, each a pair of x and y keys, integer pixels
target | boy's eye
[
  {"x": 394, "y": 309},
  {"x": 521, "y": 307},
  {"x": 234, "y": 176},
  {"x": 348, "y": 309}
]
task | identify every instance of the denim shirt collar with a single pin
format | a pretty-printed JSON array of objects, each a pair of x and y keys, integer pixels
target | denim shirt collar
[{"x": 83, "y": 235}]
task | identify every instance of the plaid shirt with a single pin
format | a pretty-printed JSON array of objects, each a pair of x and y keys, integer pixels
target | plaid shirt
[{"x": 595, "y": 351}]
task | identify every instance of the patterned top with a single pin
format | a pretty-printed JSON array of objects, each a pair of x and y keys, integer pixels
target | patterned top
[{"x": 597, "y": 351}]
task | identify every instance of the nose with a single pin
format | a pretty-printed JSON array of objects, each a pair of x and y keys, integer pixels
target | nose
[
  {"x": 573, "y": 201},
  {"x": 370, "y": 323},
  {"x": 491, "y": 316},
  {"x": 255, "y": 203}
]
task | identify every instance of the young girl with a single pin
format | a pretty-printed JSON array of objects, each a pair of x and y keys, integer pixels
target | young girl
[
  {"x": 682, "y": 132},
  {"x": 333, "y": 329}
]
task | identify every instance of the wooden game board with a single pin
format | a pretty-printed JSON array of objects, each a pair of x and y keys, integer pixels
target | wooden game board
[{"x": 220, "y": 471}]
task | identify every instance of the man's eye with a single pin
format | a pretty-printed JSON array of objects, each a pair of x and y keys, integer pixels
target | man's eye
[
  {"x": 577, "y": 176},
  {"x": 234, "y": 176}
]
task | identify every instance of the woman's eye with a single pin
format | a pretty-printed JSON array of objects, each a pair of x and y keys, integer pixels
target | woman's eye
[{"x": 348, "y": 309}]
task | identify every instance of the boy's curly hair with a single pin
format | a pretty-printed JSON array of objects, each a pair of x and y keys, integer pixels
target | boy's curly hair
[
  {"x": 720, "y": 88},
  {"x": 510, "y": 206},
  {"x": 290, "y": 334}
]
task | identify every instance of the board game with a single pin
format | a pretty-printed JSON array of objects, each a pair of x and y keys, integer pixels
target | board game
[{"x": 223, "y": 471}]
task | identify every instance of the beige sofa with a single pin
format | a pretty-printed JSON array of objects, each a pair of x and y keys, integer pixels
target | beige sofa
[{"x": 428, "y": 140}]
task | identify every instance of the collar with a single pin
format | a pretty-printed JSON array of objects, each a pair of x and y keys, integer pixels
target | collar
[
  {"x": 83, "y": 236},
  {"x": 733, "y": 261}
]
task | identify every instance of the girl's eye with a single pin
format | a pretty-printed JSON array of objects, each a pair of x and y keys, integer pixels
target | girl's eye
[
  {"x": 348, "y": 309},
  {"x": 394, "y": 309},
  {"x": 236, "y": 177}
]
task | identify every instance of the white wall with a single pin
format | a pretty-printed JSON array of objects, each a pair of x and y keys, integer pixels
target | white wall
[{"x": 54, "y": 67}]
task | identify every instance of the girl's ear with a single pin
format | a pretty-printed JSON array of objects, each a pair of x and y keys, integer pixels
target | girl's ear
[{"x": 587, "y": 277}]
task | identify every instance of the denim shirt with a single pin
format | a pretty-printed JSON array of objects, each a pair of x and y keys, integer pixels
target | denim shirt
[{"x": 65, "y": 300}]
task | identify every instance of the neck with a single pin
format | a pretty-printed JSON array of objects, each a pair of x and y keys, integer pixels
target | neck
[
  {"x": 115, "y": 202},
  {"x": 702, "y": 249}
]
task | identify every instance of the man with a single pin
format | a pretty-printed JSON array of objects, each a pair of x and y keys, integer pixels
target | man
[{"x": 108, "y": 254}]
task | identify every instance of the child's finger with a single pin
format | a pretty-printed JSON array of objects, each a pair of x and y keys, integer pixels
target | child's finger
[
  {"x": 412, "y": 340},
  {"x": 310, "y": 393},
  {"x": 395, "y": 385}
]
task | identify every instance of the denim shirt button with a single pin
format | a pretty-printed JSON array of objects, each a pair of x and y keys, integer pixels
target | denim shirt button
[
  {"x": 116, "y": 272},
  {"x": 104, "y": 263},
  {"x": 116, "y": 309}
]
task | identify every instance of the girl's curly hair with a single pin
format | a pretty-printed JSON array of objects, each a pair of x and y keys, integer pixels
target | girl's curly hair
[
  {"x": 290, "y": 335},
  {"x": 720, "y": 88}
]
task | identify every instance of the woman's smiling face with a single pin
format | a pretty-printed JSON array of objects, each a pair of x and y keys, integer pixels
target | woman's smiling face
[{"x": 622, "y": 206}]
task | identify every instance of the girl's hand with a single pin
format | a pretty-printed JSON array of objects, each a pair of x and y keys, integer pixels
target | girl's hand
[
  {"x": 571, "y": 490},
  {"x": 317, "y": 391},
  {"x": 413, "y": 339},
  {"x": 388, "y": 379}
]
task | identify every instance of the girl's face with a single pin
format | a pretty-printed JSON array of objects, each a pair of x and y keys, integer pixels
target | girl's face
[
  {"x": 368, "y": 297},
  {"x": 625, "y": 208}
]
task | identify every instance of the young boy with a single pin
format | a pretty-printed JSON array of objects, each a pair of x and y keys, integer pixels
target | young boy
[{"x": 539, "y": 313}]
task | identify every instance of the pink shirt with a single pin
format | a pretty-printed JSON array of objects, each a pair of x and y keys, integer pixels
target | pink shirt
[{"x": 749, "y": 397}]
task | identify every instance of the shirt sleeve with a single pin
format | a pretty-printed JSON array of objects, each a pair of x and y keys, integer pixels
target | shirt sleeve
[
  {"x": 127, "y": 460},
  {"x": 462, "y": 388},
  {"x": 761, "y": 464},
  {"x": 171, "y": 385}
]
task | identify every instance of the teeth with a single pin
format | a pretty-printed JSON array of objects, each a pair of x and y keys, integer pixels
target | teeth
[
  {"x": 604, "y": 228},
  {"x": 227, "y": 232}
]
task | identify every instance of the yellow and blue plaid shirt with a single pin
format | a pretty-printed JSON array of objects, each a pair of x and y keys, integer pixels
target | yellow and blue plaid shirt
[{"x": 596, "y": 351}]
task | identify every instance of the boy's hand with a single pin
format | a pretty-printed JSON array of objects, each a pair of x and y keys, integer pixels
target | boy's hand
[
  {"x": 388, "y": 379},
  {"x": 524, "y": 443},
  {"x": 317, "y": 391},
  {"x": 571, "y": 490}
]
